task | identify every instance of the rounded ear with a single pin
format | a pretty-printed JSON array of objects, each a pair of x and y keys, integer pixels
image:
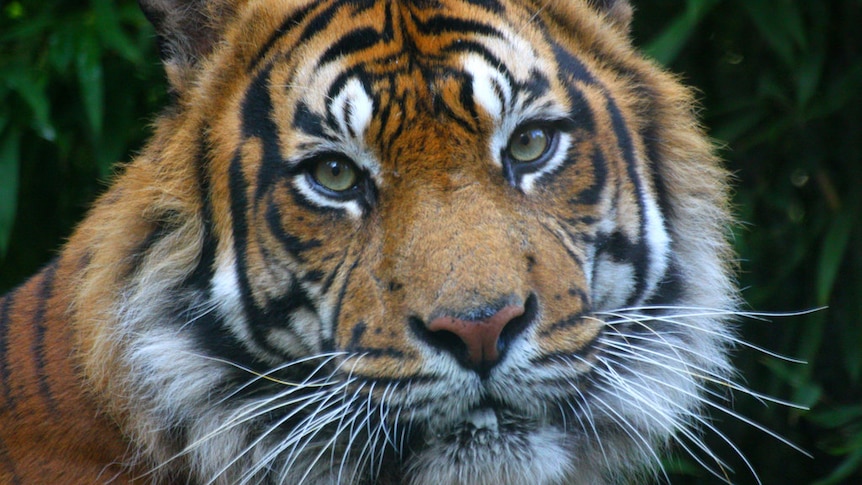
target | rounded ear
[
  {"x": 619, "y": 12},
  {"x": 187, "y": 31}
]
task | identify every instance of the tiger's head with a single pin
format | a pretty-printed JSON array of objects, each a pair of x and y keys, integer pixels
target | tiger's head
[{"x": 449, "y": 242}]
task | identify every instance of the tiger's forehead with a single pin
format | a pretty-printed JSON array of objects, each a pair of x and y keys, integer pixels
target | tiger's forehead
[{"x": 417, "y": 61}]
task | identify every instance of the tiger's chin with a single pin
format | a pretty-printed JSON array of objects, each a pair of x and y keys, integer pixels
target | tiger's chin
[{"x": 488, "y": 446}]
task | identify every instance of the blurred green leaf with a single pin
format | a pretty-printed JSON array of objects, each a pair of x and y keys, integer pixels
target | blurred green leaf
[
  {"x": 62, "y": 47},
  {"x": 841, "y": 473},
  {"x": 9, "y": 160},
  {"x": 666, "y": 47},
  {"x": 109, "y": 28},
  {"x": 14, "y": 10},
  {"x": 89, "y": 69},
  {"x": 31, "y": 86},
  {"x": 832, "y": 253},
  {"x": 780, "y": 23},
  {"x": 837, "y": 417},
  {"x": 851, "y": 337}
]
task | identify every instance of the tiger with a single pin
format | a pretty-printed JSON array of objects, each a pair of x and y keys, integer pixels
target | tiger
[{"x": 386, "y": 242}]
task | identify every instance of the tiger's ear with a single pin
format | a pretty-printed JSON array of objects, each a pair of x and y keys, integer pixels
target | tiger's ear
[
  {"x": 187, "y": 31},
  {"x": 619, "y": 12}
]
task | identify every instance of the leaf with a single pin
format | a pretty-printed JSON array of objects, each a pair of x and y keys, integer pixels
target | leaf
[
  {"x": 31, "y": 86},
  {"x": 837, "y": 416},
  {"x": 108, "y": 26},
  {"x": 666, "y": 47},
  {"x": 851, "y": 337},
  {"x": 91, "y": 80},
  {"x": 832, "y": 253},
  {"x": 844, "y": 470},
  {"x": 10, "y": 145},
  {"x": 780, "y": 25},
  {"x": 807, "y": 76}
]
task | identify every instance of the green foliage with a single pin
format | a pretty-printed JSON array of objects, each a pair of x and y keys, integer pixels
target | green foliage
[
  {"x": 78, "y": 81},
  {"x": 781, "y": 86}
]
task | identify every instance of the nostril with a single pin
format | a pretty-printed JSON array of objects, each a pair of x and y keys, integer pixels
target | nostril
[
  {"x": 440, "y": 339},
  {"x": 517, "y": 325},
  {"x": 477, "y": 338}
]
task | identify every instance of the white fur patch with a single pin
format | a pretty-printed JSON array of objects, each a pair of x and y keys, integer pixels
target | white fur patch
[
  {"x": 659, "y": 243},
  {"x": 353, "y": 108},
  {"x": 491, "y": 90},
  {"x": 227, "y": 298}
]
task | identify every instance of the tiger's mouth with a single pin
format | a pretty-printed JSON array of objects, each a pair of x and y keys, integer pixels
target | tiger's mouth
[
  {"x": 485, "y": 428},
  {"x": 489, "y": 443}
]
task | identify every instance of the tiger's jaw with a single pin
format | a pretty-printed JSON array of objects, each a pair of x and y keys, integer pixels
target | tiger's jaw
[{"x": 487, "y": 445}]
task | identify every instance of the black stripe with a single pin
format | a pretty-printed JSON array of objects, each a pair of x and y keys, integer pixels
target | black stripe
[
  {"x": 257, "y": 109},
  {"x": 289, "y": 24},
  {"x": 640, "y": 254},
  {"x": 238, "y": 187},
  {"x": 5, "y": 309},
  {"x": 8, "y": 464},
  {"x": 204, "y": 272},
  {"x": 388, "y": 33},
  {"x": 329, "y": 279},
  {"x": 291, "y": 243},
  {"x": 671, "y": 289},
  {"x": 164, "y": 226},
  {"x": 46, "y": 288},
  {"x": 441, "y": 24},
  {"x": 564, "y": 323},
  {"x": 571, "y": 66},
  {"x": 592, "y": 194},
  {"x": 355, "y": 348},
  {"x": 355, "y": 41},
  {"x": 257, "y": 123},
  {"x": 466, "y": 97},
  {"x": 343, "y": 291},
  {"x": 441, "y": 106},
  {"x": 492, "y": 5},
  {"x": 277, "y": 311},
  {"x": 309, "y": 122},
  {"x": 577, "y": 259},
  {"x": 324, "y": 18},
  {"x": 649, "y": 134}
]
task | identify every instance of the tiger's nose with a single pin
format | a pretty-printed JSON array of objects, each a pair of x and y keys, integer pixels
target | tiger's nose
[{"x": 481, "y": 336}]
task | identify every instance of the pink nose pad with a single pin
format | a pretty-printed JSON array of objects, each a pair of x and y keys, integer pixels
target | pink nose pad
[{"x": 480, "y": 336}]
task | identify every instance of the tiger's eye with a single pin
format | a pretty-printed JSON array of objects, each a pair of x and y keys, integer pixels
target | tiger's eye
[
  {"x": 529, "y": 144},
  {"x": 336, "y": 175}
]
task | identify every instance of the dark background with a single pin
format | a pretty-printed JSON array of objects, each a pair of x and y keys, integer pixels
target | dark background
[{"x": 780, "y": 83}]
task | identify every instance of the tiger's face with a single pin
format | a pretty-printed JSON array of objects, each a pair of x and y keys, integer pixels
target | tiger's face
[{"x": 446, "y": 244}]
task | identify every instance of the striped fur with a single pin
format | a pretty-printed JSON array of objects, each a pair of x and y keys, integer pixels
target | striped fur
[{"x": 223, "y": 315}]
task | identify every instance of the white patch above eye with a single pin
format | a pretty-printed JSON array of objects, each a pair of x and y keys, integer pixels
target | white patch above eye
[
  {"x": 353, "y": 108},
  {"x": 491, "y": 90}
]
